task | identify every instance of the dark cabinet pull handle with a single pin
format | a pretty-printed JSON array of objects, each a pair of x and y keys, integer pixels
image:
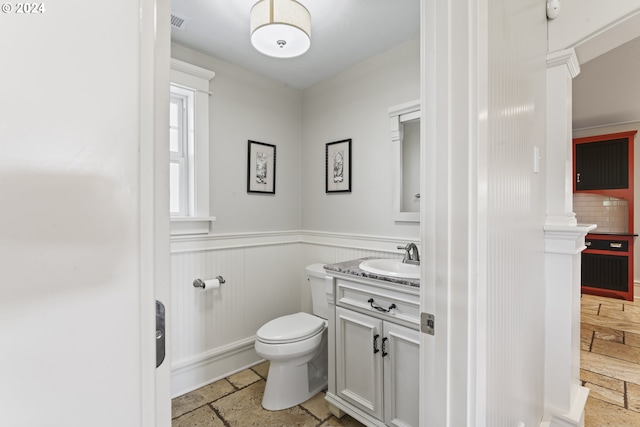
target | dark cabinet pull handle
[
  {"x": 384, "y": 347},
  {"x": 375, "y": 343},
  {"x": 377, "y": 307}
]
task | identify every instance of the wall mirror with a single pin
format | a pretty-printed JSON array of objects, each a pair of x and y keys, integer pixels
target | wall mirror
[{"x": 405, "y": 138}]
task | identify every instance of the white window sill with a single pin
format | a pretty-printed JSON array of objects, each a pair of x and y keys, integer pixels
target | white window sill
[{"x": 181, "y": 226}]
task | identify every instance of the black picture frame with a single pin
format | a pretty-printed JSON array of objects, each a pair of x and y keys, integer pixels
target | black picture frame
[
  {"x": 338, "y": 166},
  {"x": 261, "y": 168}
]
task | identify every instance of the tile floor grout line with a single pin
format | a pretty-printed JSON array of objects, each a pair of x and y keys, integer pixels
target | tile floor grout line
[
  {"x": 626, "y": 403},
  {"x": 313, "y": 415},
  {"x": 235, "y": 389},
  {"x": 619, "y": 330},
  {"x": 314, "y": 411},
  {"x": 219, "y": 415},
  {"x": 257, "y": 373}
]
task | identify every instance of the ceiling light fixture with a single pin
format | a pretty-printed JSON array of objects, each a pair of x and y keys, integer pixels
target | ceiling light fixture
[{"x": 280, "y": 28}]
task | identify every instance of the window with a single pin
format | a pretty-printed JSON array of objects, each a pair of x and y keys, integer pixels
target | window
[
  {"x": 181, "y": 150},
  {"x": 189, "y": 148}
]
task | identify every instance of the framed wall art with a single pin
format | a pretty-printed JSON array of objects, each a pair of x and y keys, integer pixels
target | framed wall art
[
  {"x": 338, "y": 166},
  {"x": 261, "y": 168}
]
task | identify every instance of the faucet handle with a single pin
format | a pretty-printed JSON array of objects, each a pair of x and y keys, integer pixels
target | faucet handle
[
  {"x": 411, "y": 254},
  {"x": 407, "y": 253}
]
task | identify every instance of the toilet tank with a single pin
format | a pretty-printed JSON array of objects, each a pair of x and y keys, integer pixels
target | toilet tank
[{"x": 316, "y": 276}]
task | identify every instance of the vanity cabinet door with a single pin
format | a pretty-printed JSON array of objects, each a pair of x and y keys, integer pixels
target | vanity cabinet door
[
  {"x": 401, "y": 386},
  {"x": 359, "y": 378}
]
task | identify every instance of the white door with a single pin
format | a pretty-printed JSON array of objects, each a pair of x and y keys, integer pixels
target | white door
[
  {"x": 359, "y": 361},
  {"x": 401, "y": 382},
  {"x": 78, "y": 245}
]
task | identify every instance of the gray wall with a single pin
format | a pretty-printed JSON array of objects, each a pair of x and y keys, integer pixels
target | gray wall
[
  {"x": 355, "y": 105},
  {"x": 352, "y": 105},
  {"x": 245, "y": 106}
]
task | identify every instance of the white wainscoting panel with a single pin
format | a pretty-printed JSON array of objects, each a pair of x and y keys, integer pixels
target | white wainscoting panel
[
  {"x": 203, "y": 320},
  {"x": 212, "y": 332},
  {"x": 512, "y": 196},
  {"x": 273, "y": 276}
]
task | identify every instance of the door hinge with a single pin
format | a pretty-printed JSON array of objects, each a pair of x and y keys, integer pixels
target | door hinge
[{"x": 427, "y": 323}]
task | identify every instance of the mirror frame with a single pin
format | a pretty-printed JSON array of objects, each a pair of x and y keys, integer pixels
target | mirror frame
[{"x": 397, "y": 115}]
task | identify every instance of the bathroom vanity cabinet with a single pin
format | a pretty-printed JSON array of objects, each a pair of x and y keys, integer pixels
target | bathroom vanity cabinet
[{"x": 373, "y": 352}]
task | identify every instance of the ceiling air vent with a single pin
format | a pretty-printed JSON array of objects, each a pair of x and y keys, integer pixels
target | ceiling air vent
[{"x": 178, "y": 22}]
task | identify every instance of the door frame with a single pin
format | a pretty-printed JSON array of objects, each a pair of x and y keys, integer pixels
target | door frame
[
  {"x": 154, "y": 242},
  {"x": 453, "y": 92}
]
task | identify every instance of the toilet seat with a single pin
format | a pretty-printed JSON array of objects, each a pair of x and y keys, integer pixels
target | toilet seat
[{"x": 290, "y": 328}]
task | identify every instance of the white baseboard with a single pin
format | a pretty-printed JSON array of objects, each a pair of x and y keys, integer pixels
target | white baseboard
[
  {"x": 212, "y": 366},
  {"x": 573, "y": 418}
]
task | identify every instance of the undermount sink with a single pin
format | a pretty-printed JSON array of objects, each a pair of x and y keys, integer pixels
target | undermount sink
[{"x": 391, "y": 267}]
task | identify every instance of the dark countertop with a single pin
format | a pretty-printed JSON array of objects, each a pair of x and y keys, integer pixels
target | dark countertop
[
  {"x": 352, "y": 267},
  {"x": 605, "y": 233}
]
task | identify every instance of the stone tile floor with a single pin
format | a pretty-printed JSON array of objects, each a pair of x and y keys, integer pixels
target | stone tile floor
[
  {"x": 235, "y": 402},
  {"x": 610, "y": 361}
]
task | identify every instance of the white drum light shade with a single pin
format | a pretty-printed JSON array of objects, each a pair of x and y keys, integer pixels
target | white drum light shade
[{"x": 280, "y": 28}]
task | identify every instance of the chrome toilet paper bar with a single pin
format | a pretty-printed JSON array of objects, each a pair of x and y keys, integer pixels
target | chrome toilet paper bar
[{"x": 199, "y": 283}]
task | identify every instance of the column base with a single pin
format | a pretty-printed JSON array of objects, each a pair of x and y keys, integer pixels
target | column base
[{"x": 573, "y": 418}]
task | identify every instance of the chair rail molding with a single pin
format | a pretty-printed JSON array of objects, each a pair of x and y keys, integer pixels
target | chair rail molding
[{"x": 195, "y": 243}]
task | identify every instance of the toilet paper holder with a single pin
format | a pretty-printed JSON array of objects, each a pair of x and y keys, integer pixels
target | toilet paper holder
[{"x": 199, "y": 283}]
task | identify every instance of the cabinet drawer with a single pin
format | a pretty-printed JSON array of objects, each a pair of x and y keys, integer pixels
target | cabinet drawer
[
  {"x": 607, "y": 245},
  {"x": 397, "y": 305}
]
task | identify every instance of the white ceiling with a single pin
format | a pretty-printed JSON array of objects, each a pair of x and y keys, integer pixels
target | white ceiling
[
  {"x": 343, "y": 33},
  {"x": 346, "y": 32},
  {"x": 607, "y": 90}
]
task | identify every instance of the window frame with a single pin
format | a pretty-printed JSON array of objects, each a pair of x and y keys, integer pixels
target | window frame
[{"x": 195, "y": 217}]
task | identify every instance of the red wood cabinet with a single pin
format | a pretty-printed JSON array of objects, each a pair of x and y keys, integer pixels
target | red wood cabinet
[
  {"x": 607, "y": 266},
  {"x": 603, "y": 165}
]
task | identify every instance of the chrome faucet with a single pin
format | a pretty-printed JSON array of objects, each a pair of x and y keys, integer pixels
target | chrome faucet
[{"x": 411, "y": 255}]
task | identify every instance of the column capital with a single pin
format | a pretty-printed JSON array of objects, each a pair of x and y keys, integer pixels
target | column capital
[{"x": 565, "y": 57}]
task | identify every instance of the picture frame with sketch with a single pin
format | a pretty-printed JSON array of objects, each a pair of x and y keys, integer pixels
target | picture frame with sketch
[
  {"x": 338, "y": 166},
  {"x": 261, "y": 168}
]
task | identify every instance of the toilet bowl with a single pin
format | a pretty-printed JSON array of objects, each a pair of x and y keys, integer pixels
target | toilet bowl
[{"x": 296, "y": 347}]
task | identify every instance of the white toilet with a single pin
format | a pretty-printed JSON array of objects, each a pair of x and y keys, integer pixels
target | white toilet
[{"x": 296, "y": 347}]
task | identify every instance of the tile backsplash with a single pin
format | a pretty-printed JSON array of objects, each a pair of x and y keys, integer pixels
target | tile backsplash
[{"x": 611, "y": 214}]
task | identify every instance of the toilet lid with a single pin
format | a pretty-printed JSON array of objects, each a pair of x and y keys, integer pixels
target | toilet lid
[{"x": 290, "y": 328}]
